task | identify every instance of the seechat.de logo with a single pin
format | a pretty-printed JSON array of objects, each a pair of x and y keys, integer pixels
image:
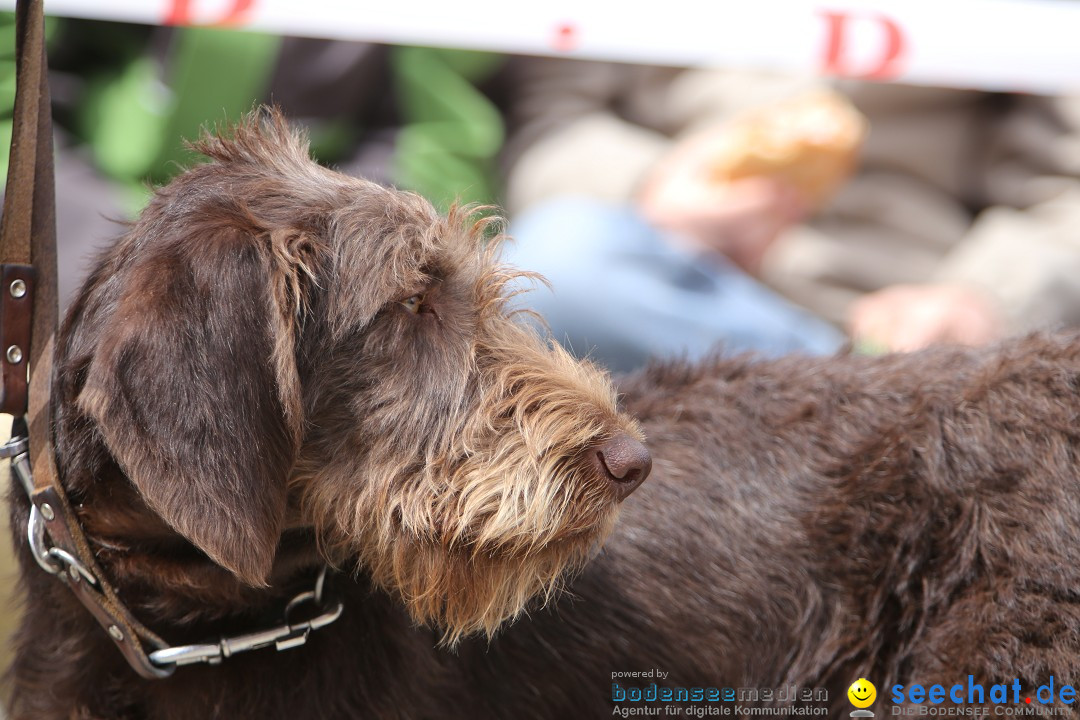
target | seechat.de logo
[{"x": 862, "y": 694}]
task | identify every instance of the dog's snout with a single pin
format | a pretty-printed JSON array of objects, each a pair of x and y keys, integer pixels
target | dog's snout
[{"x": 624, "y": 462}]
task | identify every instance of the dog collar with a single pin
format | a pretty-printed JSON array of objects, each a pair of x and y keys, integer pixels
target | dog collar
[{"x": 84, "y": 579}]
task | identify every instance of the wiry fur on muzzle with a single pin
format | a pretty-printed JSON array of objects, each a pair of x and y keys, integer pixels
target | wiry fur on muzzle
[{"x": 467, "y": 489}]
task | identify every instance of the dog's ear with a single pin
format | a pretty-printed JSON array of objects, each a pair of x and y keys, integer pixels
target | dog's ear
[{"x": 194, "y": 386}]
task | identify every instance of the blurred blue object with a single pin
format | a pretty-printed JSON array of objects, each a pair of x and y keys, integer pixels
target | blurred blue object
[{"x": 621, "y": 293}]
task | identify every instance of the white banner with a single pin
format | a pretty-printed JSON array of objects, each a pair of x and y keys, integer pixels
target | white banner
[{"x": 1022, "y": 45}]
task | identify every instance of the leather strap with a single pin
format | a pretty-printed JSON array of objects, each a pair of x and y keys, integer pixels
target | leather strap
[
  {"x": 29, "y": 212},
  {"x": 28, "y": 238},
  {"x": 17, "y": 290},
  {"x": 95, "y": 592}
]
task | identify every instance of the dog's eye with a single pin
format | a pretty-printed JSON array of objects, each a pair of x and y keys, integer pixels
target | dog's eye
[{"x": 414, "y": 303}]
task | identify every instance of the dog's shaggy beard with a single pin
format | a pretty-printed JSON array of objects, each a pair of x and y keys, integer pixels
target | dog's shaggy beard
[{"x": 497, "y": 512}]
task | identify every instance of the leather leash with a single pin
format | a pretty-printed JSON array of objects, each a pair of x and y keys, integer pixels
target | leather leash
[
  {"x": 28, "y": 322},
  {"x": 28, "y": 311}
]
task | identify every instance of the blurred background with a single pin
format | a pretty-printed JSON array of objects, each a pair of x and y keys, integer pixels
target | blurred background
[{"x": 790, "y": 177}]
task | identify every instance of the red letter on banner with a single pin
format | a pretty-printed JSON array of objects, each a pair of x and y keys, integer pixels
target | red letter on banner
[
  {"x": 836, "y": 61},
  {"x": 179, "y": 13}
]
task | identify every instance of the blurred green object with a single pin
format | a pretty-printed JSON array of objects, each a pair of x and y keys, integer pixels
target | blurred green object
[
  {"x": 124, "y": 117},
  {"x": 135, "y": 120},
  {"x": 7, "y": 79},
  {"x": 451, "y": 134},
  {"x": 133, "y": 101},
  {"x": 218, "y": 75},
  {"x": 330, "y": 140}
]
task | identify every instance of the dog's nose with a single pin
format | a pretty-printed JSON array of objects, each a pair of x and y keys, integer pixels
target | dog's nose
[{"x": 624, "y": 462}]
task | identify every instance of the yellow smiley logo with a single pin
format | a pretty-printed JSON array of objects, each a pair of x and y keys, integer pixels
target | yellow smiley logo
[{"x": 862, "y": 693}]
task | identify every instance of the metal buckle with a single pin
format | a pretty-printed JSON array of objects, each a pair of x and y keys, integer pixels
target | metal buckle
[
  {"x": 286, "y": 636},
  {"x": 53, "y": 559},
  {"x": 17, "y": 450},
  {"x": 35, "y": 533},
  {"x": 13, "y": 447}
]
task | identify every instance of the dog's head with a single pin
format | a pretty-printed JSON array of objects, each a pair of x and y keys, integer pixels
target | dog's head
[{"x": 274, "y": 343}]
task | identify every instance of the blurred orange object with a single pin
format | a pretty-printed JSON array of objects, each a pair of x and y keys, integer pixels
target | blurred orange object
[{"x": 812, "y": 142}]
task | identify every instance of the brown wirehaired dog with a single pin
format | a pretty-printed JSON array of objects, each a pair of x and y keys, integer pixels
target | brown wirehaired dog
[{"x": 279, "y": 366}]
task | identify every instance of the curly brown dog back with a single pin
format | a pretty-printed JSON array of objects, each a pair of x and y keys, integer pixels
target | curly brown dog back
[{"x": 279, "y": 366}]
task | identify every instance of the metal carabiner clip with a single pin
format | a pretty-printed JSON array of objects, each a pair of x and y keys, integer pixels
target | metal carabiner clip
[{"x": 35, "y": 533}]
